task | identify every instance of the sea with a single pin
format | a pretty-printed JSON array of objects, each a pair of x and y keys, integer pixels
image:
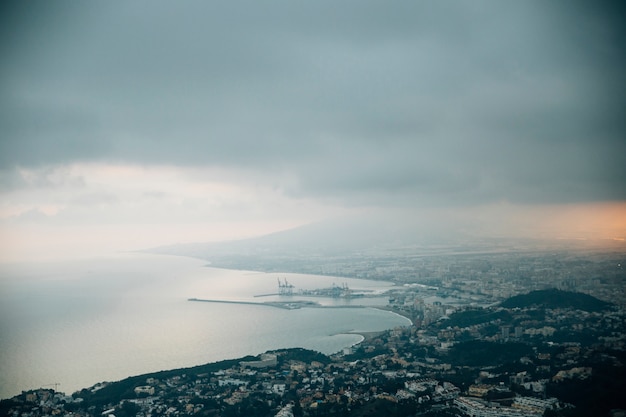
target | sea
[{"x": 68, "y": 325}]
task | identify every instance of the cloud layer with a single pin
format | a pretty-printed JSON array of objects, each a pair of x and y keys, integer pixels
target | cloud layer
[
  {"x": 184, "y": 122},
  {"x": 443, "y": 103}
]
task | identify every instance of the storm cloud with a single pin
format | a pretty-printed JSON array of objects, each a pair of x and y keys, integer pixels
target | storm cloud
[{"x": 362, "y": 102}]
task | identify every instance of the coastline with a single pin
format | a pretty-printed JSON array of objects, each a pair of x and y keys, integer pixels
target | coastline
[
  {"x": 367, "y": 336},
  {"x": 396, "y": 312},
  {"x": 145, "y": 307}
]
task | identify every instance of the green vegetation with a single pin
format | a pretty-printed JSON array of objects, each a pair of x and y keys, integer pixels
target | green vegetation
[
  {"x": 303, "y": 355},
  {"x": 596, "y": 395},
  {"x": 554, "y": 298},
  {"x": 472, "y": 317},
  {"x": 484, "y": 353},
  {"x": 124, "y": 389}
]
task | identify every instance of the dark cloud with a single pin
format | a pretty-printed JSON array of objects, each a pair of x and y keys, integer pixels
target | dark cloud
[{"x": 415, "y": 102}]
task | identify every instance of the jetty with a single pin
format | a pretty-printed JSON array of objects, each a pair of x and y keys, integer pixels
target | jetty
[{"x": 286, "y": 305}]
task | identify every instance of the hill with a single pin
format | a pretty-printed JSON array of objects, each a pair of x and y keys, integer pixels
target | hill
[
  {"x": 553, "y": 298},
  {"x": 115, "y": 392},
  {"x": 473, "y": 317},
  {"x": 339, "y": 235},
  {"x": 336, "y": 247}
]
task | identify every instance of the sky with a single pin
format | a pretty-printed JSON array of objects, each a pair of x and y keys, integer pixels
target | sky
[{"x": 132, "y": 124}]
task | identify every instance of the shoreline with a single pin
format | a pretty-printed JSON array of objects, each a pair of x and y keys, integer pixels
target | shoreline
[
  {"x": 367, "y": 336},
  {"x": 396, "y": 312},
  {"x": 160, "y": 269}
]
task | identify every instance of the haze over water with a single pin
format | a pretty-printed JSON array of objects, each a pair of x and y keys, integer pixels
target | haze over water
[{"x": 81, "y": 322}]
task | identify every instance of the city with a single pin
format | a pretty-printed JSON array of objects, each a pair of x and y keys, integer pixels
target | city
[{"x": 471, "y": 351}]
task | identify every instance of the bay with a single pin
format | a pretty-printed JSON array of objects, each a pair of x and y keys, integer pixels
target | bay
[{"x": 77, "y": 323}]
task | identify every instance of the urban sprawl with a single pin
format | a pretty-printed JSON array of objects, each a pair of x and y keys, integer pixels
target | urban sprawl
[{"x": 491, "y": 335}]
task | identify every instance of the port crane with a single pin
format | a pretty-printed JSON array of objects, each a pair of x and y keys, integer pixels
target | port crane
[{"x": 285, "y": 288}]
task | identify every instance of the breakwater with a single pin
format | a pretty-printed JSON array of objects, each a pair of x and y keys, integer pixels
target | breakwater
[{"x": 286, "y": 305}]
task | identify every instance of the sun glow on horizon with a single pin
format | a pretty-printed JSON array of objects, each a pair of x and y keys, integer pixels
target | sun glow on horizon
[{"x": 79, "y": 209}]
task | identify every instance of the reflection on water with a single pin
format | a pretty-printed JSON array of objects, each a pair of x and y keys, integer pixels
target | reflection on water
[{"x": 78, "y": 323}]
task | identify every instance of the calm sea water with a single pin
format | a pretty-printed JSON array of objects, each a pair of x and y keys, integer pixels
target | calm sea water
[{"x": 81, "y": 322}]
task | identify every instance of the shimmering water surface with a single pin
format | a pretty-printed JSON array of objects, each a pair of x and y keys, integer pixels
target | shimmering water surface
[{"x": 81, "y": 322}]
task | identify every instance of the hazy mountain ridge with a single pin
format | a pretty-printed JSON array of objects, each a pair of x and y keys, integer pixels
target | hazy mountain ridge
[
  {"x": 325, "y": 247},
  {"x": 328, "y": 236}
]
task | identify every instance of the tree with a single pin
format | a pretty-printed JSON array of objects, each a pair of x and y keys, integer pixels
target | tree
[
  {"x": 297, "y": 409},
  {"x": 127, "y": 409}
]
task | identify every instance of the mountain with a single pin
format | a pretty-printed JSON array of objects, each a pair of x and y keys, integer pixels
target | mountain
[
  {"x": 371, "y": 234},
  {"x": 356, "y": 246},
  {"x": 327, "y": 237},
  {"x": 351, "y": 247}
]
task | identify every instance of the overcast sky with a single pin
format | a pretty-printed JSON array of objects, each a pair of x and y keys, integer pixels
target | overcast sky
[{"x": 125, "y": 124}]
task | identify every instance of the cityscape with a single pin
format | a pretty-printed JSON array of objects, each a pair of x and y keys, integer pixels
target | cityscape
[{"x": 526, "y": 334}]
